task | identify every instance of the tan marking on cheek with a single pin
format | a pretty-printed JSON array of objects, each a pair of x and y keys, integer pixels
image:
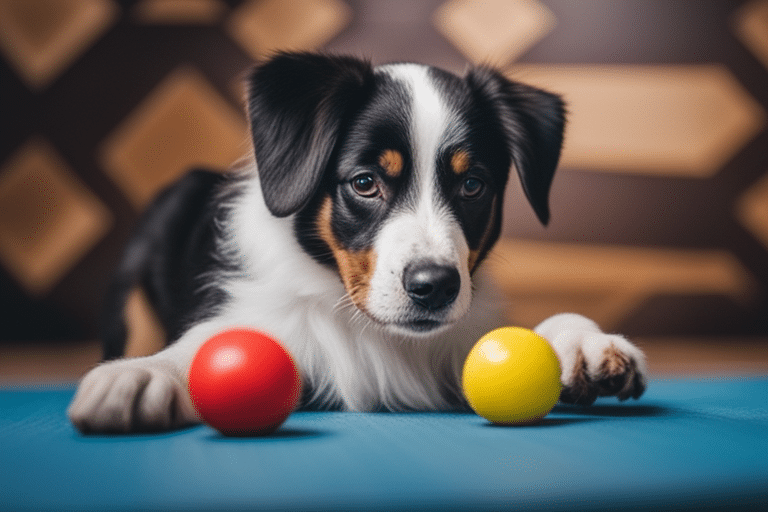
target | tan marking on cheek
[
  {"x": 473, "y": 257},
  {"x": 460, "y": 162},
  {"x": 392, "y": 162},
  {"x": 485, "y": 241},
  {"x": 355, "y": 267}
]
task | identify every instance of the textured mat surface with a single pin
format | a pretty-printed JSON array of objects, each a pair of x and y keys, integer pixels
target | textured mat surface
[{"x": 687, "y": 444}]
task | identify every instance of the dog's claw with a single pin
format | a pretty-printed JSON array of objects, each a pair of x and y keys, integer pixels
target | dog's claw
[{"x": 617, "y": 373}]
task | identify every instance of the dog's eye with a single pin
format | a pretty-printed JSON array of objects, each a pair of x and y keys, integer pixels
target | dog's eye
[
  {"x": 365, "y": 185},
  {"x": 471, "y": 188}
]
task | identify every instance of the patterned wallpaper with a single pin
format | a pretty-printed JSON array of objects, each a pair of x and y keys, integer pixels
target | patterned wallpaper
[{"x": 660, "y": 208}]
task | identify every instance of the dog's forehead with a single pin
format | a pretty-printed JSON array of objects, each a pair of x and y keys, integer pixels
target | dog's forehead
[
  {"x": 414, "y": 115},
  {"x": 435, "y": 100}
]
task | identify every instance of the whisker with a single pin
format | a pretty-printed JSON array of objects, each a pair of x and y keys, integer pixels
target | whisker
[{"x": 344, "y": 303}]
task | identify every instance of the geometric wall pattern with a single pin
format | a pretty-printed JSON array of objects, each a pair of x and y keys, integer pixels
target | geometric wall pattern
[
  {"x": 48, "y": 219},
  {"x": 263, "y": 26},
  {"x": 751, "y": 26},
  {"x": 607, "y": 283},
  {"x": 752, "y": 209},
  {"x": 496, "y": 31},
  {"x": 659, "y": 211},
  {"x": 178, "y": 12},
  {"x": 43, "y": 37},
  {"x": 673, "y": 120},
  {"x": 183, "y": 122}
]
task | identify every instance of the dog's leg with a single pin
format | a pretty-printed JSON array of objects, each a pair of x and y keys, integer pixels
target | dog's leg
[
  {"x": 139, "y": 394},
  {"x": 593, "y": 363}
]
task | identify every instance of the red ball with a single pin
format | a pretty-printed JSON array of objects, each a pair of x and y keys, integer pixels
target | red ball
[{"x": 244, "y": 383}]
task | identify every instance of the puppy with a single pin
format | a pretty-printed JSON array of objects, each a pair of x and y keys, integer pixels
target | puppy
[{"x": 355, "y": 235}]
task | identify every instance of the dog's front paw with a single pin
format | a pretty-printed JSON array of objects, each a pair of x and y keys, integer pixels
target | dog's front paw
[
  {"x": 593, "y": 363},
  {"x": 598, "y": 364},
  {"x": 130, "y": 396}
]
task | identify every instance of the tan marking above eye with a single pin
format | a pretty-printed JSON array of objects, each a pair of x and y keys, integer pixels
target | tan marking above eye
[
  {"x": 391, "y": 161},
  {"x": 460, "y": 162}
]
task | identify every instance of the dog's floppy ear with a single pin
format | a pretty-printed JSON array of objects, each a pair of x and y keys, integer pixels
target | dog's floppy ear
[
  {"x": 533, "y": 122},
  {"x": 297, "y": 105}
]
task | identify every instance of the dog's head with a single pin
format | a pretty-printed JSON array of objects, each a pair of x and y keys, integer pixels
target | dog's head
[{"x": 395, "y": 175}]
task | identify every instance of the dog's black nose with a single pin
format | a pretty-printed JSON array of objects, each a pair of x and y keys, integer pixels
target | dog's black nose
[{"x": 430, "y": 285}]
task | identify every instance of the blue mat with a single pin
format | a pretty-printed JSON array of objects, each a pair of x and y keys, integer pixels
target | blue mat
[{"x": 687, "y": 444}]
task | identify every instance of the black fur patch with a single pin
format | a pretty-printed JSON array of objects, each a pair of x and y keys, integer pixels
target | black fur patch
[
  {"x": 532, "y": 122},
  {"x": 172, "y": 255},
  {"x": 298, "y": 106}
]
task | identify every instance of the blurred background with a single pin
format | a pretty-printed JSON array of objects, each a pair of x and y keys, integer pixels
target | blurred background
[{"x": 659, "y": 211}]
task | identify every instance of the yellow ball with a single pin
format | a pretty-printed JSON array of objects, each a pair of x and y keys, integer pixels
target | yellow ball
[{"x": 512, "y": 377}]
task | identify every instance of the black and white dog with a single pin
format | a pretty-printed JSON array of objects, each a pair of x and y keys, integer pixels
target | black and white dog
[{"x": 355, "y": 237}]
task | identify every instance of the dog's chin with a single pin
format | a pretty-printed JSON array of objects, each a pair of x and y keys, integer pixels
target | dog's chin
[
  {"x": 416, "y": 328},
  {"x": 419, "y": 329},
  {"x": 416, "y": 325}
]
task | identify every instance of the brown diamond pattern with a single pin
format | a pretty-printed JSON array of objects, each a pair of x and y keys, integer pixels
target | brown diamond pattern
[
  {"x": 48, "y": 219},
  {"x": 183, "y": 123},
  {"x": 41, "y": 38},
  {"x": 752, "y": 209},
  {"x": 494, "y": 31},
  {"x": 683, "y": 121},
  {"x": 179, "y": 11},
  {"x": 751, "y": 25},
  {"x": 607, "y": 283},
  {"x": 264, "y": 26}
]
